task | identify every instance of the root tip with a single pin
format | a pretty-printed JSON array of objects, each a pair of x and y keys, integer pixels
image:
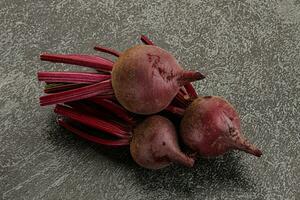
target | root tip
[
  {"x": 191, "y": 162},
  {"x": 199, "y": 76},
  {"x": 257, "y": 153},
  {"x": 43, "y": 55}
]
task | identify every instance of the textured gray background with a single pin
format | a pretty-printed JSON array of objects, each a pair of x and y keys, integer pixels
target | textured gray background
[{"x": 249, "y": 49}]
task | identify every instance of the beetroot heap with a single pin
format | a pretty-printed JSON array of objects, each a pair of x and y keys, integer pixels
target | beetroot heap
[{"x": 132, "y": 102}]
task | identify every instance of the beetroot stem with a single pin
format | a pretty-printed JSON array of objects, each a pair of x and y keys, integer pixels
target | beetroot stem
[
  {"x": 95, "y": 62},
  {"x": 106, "y": 126},
  {"x": 87, "y": 107},
  {"x": 107, "y": 50},
  {"x": 91, "y": 138},
  {"x": 104, "y": 87},
  {"x": 92, "y": 109},
  {"x": 182, "y": 90},
  {"x": 190, "y": 90},
  {"x": 72, "y": 77},
  {"x": 146, "y": 40},
  {"x": 118, "y": 110},
  {"x": 61, "y": 87},
  {"x": 184, "y": 94},
  {"x": 181, "y": 100},
  {"x": 175, "y": 110}
]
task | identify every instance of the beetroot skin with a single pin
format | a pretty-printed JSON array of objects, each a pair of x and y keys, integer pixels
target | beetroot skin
[
  {"x": 146, "y": 78},
  {"x": 154, "y": 144},
  {"x": 211, "y": 127}
]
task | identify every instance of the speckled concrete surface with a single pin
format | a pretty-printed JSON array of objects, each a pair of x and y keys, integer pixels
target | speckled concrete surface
[{"x": 249, "y": 49}]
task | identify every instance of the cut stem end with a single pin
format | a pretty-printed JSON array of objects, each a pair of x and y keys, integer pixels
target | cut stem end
[{"x": 189, "y": 76}]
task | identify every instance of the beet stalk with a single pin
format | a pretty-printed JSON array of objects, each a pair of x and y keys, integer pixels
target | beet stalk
[{"x": 72, "y": 77}]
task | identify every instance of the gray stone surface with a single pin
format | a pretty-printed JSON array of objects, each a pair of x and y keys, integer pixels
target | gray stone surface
[{"x": 249, "y": 49}]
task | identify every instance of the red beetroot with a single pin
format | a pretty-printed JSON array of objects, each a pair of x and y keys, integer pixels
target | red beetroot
[
  {"x": 211, "y": 127},
  {"x": 154, "y": 144},
  {"x": 146, "y": 78}
]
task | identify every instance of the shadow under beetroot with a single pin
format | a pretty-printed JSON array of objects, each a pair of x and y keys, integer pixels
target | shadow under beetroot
[{"x": 223, "y": 173}]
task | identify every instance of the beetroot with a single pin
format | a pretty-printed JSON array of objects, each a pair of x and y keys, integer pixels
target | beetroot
[
  {"x": 146, "y": 78},
  {"x": 154, "y": 144},
  {"x": 211, "y": 126}
]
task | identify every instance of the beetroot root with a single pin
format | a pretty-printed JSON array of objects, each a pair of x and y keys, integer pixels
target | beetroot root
[
  {"x": 154, "y": 144},
  {"x": 146, "y": 78},
  {"x": 211, "y": 127}
]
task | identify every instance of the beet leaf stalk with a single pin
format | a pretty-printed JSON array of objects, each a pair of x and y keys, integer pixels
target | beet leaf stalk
[
  {"x": 96, "y": 62},
  {"x": 97, "y": 123},
  {"x": 102, "y": 88},
  {"x": 83, "y": 119},
  {"x": 72, "y": 77},
  {"x": 107, "y": 50},
  {"x": 85, "y": 135}
]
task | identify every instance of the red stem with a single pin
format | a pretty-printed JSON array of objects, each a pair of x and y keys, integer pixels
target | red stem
[
  {"x": 175, "y": 110},
  {"x": 72, "y": 77},
  {"x": 107, "y": 50},
  {"x": 182, "y": 90},
  {"x": 190, "y": 90},
  {"x": 96, "y": 62},
  {"x": 98, "y": 140},
  {"x": 146, "y": 40},
  {"x": 184, "y": 93},
  {"x": 118, "y": 110},
  {"x": 87, "y": 107},
  {"x": 85, "y": 92},
  {"x": 181, "y": 101},
  {"x": 63, "y": 87},
  {"x": 109, "y": 127},
  {"x": 90, "y": 108}
]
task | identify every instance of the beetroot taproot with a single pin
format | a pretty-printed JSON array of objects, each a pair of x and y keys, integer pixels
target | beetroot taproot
[{"x": 211, "y": 127}]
